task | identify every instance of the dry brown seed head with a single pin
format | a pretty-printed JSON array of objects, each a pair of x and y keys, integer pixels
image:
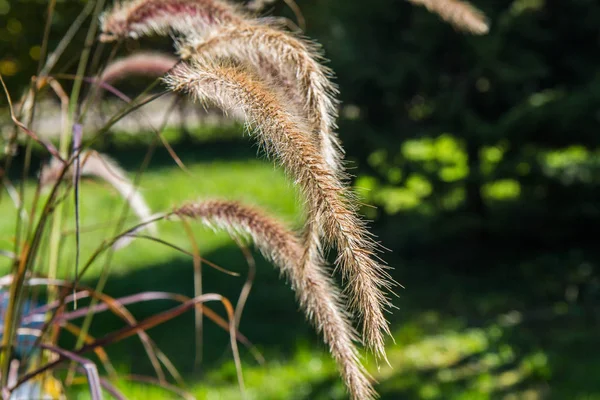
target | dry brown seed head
[{"x": 142, "y": 17}]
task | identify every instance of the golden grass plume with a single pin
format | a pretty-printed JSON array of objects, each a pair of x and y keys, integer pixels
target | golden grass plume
[
  {"x": 459, "y": 13},
  {"x": 133, "y": 19},
  {"x": 316, "y": 293},
  {"x": 286, "y": 62},
  {"x": 283, "y": 135}
]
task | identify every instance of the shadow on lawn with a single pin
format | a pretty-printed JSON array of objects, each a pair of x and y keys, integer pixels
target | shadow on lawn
[
  {"x": 270, "y": 318},
  {"x": 487, "y": 335}
]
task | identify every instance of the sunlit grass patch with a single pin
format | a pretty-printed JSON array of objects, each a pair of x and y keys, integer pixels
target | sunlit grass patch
[
  {"x": 164, "y": 188},
  {"x": 432, "y": 172}
]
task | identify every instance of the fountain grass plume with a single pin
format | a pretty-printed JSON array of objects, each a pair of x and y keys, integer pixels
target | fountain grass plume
[
  {"x": 286, "y": 62},
  {"x": 460, "y": 14},
  {"x": 133, "y": 19},
  {"x": 317, "y": 295},
  {"x": 330, "y": 207}
]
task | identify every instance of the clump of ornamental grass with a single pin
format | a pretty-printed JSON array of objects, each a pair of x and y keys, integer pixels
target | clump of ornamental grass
[
  {"x": 460, "y": 14},
  {"x": 257, "y": 72},
  {"x": 284, "y": 132},
  {"x": 284, "y": 62}
]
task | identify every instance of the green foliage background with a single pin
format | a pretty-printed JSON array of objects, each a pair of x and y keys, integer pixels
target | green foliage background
[{"x": 482, "y": 157}]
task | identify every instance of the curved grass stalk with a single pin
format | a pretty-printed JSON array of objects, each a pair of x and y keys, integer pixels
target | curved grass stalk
[
  {"x": 100, "y": 353},
  {"x": 245, "y": 292},
  {"x": 36, "y": 314}
]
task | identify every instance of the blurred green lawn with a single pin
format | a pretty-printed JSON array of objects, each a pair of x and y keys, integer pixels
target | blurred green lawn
[{"x": 456, "y": 337}]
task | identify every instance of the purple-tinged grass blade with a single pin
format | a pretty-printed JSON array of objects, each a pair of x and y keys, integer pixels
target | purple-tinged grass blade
[
  {"x": 109, "y": 387},
  {"x": 151, "y": 349},
  {"x": 34, "y": 314},
  {"x": 100, "y": 352},
  {"x": 89, "y": 368},
  {"x": 154, "y": 296},
  {"x": 47, "y": 145},
  {"x": 149, "y": 323}
]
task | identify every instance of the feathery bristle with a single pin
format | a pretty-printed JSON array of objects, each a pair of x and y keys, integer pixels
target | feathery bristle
[
  {"x": 316, "y": 293},
  {"x": 458, "y": 13},
  {"x": 284, "y": 136},
  {"x": 107, "y": 169},
  {"x": 144, "y": 64},
  {"x": 286, "y": 62},
  {"x": 143, "y": 17}
]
